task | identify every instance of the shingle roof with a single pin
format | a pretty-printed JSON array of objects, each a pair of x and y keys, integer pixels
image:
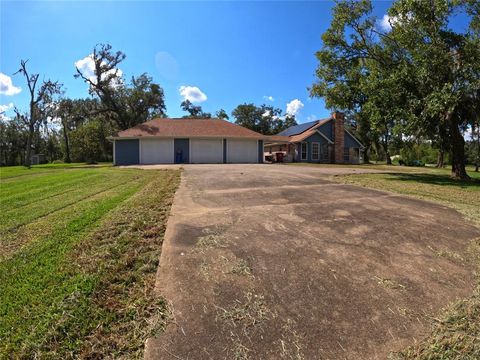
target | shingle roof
[
  {"x": 277, "y": 138},
  {"x": 188, "y": 127},
  {"x": 302, "y": 136}
]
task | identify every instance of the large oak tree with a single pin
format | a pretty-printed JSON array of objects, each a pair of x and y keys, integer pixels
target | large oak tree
[{"x": 420, "y": 78}]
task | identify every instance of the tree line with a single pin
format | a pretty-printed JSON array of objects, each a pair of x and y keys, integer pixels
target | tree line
[
  {"x": 65, "y": 129},
  {"x": 414, "y": 80}
]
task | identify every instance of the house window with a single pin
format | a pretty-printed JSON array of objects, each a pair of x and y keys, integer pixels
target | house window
[
  {"x": 304, "y": 151},
  {"x": 315, "y": 151},
  {"x": 346, "y": 154}
]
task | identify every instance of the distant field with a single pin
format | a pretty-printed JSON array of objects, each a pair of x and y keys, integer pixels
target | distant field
[{"x": 79, "y": 248}]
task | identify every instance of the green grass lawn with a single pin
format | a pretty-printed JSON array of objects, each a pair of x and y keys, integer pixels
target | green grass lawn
[{"x": 79, "y": 249}]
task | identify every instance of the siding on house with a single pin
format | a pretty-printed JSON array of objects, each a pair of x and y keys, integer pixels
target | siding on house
[
  {"x": 350, "y": 142},
  {"x": 316, "y": 137},
  {"x": 127, "y": 152},
  {"x": 327, "y": 130},
  {"x": 311, "y": 139}
]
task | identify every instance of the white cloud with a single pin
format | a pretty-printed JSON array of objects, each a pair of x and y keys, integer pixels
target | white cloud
[
  {"x": 294, "y": 106},
  {"x": 269, "y": 98},
  {"x": 387, "y": 21},
  {"x": 7, "y": 87},
  {"x": 192, "y": 94},
  {"x": 267, "y": 113},
  {"x": 312, "y": 117},
  {"x": 4, "y": 108},
  {"x": 87, "y": 68}
]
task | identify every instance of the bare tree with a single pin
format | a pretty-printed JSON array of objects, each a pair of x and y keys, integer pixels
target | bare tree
[{"x": 41, "y": 101}]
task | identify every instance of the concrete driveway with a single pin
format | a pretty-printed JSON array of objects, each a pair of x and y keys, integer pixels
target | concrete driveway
[{"x": 278, "y": 262}]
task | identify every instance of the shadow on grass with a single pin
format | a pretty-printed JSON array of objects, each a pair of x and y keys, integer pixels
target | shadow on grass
[{"x": 435, "y": 179}]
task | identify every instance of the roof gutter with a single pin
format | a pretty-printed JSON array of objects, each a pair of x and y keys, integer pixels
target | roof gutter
[{"x": 113, "y": 138}]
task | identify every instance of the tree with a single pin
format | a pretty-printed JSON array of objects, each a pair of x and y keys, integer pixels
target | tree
[
  {"x": 88, "y": 141},
  {"x": 71, "y": 113},
  {"x": 418, "y": 79},
  {"x": 13, "y": 140},
  {"x": 222, "y": 114},
  {"x": 194, "y": 111},
  {"x": 40, "y": 106},
  {"x": 446, "y": 65},
  {"x": 264, "y": 119},
  {"x": 127, "y": 104},
  {"x": 247, "y": 115}
]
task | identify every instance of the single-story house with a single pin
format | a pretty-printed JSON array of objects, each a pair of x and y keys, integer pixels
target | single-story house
[
  {"x": 187, "y": 140},
  {"x": 321, "y": 141}
]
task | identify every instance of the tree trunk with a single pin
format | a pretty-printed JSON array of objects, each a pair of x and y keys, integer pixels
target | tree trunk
[
  {"x": 477, "y": 162},
  {"x": 389, "y": 159},
  {"x": 387, "y": 153},
  {"x": 67, "y": 145},
  {"x": 440, "y": 159},
  {"x": 458, "y": 152},
  {"x": 366, "y": 159},
  {"x": 28, "y": 153}
]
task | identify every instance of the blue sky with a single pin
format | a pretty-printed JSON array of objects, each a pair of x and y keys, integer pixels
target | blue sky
[{"x": 233, "y": 52}]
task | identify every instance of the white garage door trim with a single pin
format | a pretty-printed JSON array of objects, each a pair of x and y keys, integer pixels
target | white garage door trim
[
  {"x": 156, "y": 151},
  {"x": 242, "y": 151},
  {"x": 206, "y": 151}
]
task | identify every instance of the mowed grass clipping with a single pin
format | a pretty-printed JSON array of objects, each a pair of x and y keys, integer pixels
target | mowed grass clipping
[
  {"x": 455, "y": 333},
  {"x": 79, "y": 249}
]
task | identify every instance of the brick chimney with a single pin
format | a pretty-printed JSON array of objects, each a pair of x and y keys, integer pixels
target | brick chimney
[{"x": 338, "y": 135}]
